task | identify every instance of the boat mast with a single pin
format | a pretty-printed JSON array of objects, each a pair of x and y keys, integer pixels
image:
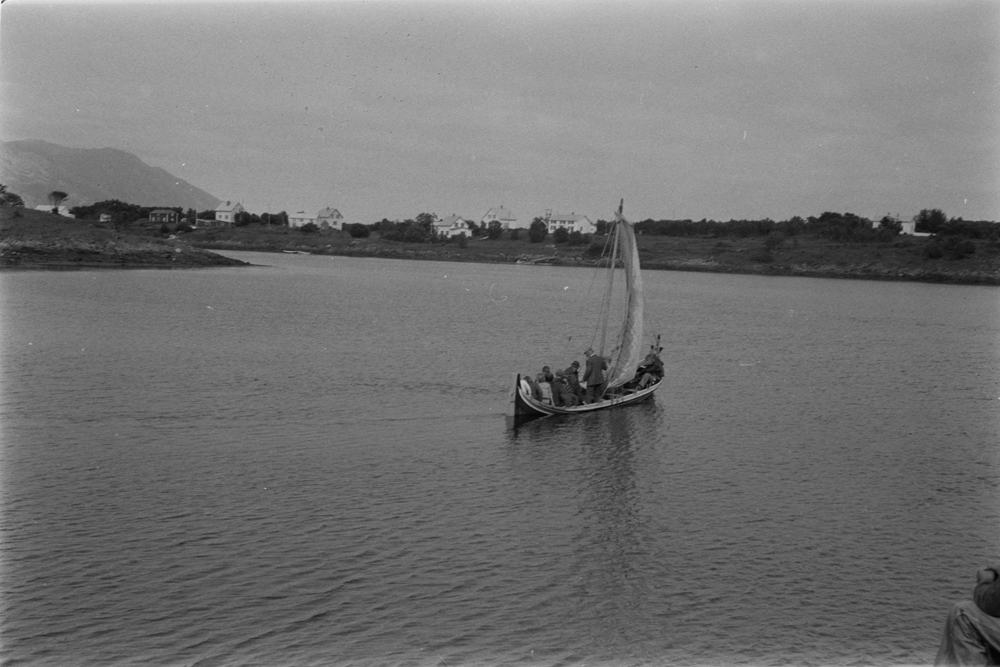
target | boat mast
[{"x": 629, "y": 340}]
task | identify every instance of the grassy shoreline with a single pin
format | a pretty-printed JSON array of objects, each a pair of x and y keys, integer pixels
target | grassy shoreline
[
  {"x": 901, "y": 259},
  {"x": 32, "y": 240},
  {"x": 37, "y": 240}
]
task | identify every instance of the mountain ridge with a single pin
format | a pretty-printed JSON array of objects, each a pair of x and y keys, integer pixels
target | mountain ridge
[{"x": 33, "y": 167}]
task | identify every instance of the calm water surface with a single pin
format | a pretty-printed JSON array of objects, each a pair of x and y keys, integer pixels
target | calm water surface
[{"x": 307, "y": 463}]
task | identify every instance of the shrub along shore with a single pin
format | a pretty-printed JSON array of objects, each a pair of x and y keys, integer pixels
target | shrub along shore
[
  {"x": 831, "y": 246},
  {"x": 38, "y": 240},
  {"x": 879, "y": 256}
]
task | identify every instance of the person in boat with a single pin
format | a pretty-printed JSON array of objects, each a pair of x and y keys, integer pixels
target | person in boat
[
  {"x": 545, "y": 388},
  {"x": 547, "y": 372},
  {"x": 562, "y": 393},
  {"x": 651, "y": 369},
  {"x": 593, "y": 377},
  {"x": 572, "y": 375},
  {"x": 531, "y": 387},
  {"x": 972, "y": 630}
]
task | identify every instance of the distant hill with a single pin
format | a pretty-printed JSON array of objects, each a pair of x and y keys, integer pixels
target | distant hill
[{"x": 34, "y": 168}]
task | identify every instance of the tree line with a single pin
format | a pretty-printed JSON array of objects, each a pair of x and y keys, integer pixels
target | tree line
[
  {"x": 951, "y": 234},
  {"x": 845, "y": 227}
]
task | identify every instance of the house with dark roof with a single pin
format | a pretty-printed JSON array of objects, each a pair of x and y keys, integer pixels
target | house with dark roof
[{"x": 163, "y": 215}]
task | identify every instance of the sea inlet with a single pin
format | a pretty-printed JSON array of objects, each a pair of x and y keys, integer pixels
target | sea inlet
[{"x": 306, "y": 462}]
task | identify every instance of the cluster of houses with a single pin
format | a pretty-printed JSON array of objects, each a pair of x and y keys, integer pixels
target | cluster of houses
[
  {"x": 331, "y": 218},
  {"x": 226, "y": 212},
  {"x": 451, "y": 225}
]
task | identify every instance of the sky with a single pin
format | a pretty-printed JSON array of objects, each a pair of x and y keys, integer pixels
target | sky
[{"x": 386, "y": 109}]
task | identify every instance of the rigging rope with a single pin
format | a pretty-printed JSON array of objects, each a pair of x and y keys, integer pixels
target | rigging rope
[{"x": 605, "y": 302}]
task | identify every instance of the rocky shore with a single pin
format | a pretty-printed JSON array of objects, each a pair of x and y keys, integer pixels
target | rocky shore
[{"x": 38, "y": 240}]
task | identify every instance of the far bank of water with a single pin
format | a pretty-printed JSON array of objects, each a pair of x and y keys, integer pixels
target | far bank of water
[{"x": 863, "y": 266}]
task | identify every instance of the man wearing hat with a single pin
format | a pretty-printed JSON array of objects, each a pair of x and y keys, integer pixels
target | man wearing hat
[
  {"x": 594, "y": 375},
  {"x": 572, "y": 375}
]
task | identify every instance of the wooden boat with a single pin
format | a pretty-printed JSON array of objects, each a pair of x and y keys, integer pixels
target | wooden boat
[
  {"x": 522, "y": 407},
  {"x": 627, "y": 352}
]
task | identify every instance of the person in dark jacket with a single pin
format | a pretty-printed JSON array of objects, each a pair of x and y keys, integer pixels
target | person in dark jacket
[
  {"x": 561, "y": 392},
  {"x": 572, "y": 375},
  {"x": 651, "y": 369},
  {"x": 593, "y": 377},
  {"x": 972, "y": 631}
]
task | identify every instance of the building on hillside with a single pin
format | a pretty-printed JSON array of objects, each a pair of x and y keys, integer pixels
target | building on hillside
[
  {"x": 572, "y": 222},
  {"x": 909, "y": 227},
  {"x": 202, "y": 222},
  {"x": 300, "y": 218},
  {"x": 504, "y": 216},
  {"x": 225, "y": 213},
  {"x": 330, "y": 218},
  {"x": 163, "y": 215},
  {"x": 452, "y": 225},
  {"x": 61, "y": 210}
]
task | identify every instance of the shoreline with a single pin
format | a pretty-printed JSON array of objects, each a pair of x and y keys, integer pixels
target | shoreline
[
  {"x": 849, "y": 272},
  {"x": 38, "y": 241},
  {"x": 28, "y": 258}
]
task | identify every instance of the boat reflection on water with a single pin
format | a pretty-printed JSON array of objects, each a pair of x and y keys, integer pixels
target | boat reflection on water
[{"x": 597, "y": 477}]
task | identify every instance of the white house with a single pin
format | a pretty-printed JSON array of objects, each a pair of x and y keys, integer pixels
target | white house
[
  {"x": 226, "y": 212},
  {"x": 572, "y": 222},
  {"x": 330, "y": 218},
  {"x": 909, "y": 228},
  {"x": 504, "y": 216},
  {"x": 453, "y": 225},
  {"x": 62, "y": 210},
  {"x": 300, "y": 218}
]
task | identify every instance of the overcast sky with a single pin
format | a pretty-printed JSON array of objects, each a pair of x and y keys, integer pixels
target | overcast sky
[{"x": 686, "y": 109}]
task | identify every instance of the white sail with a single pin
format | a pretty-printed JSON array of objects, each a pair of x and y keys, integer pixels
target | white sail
[
  {"x": 619, "y": 324},
  {"x": 629, "y": 342}
]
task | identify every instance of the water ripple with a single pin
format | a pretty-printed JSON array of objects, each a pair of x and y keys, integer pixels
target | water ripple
[{"x": 254, "y": 489}]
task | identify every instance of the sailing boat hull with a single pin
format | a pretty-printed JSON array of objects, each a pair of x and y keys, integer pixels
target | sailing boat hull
[{"x": 521, "y": 407}]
